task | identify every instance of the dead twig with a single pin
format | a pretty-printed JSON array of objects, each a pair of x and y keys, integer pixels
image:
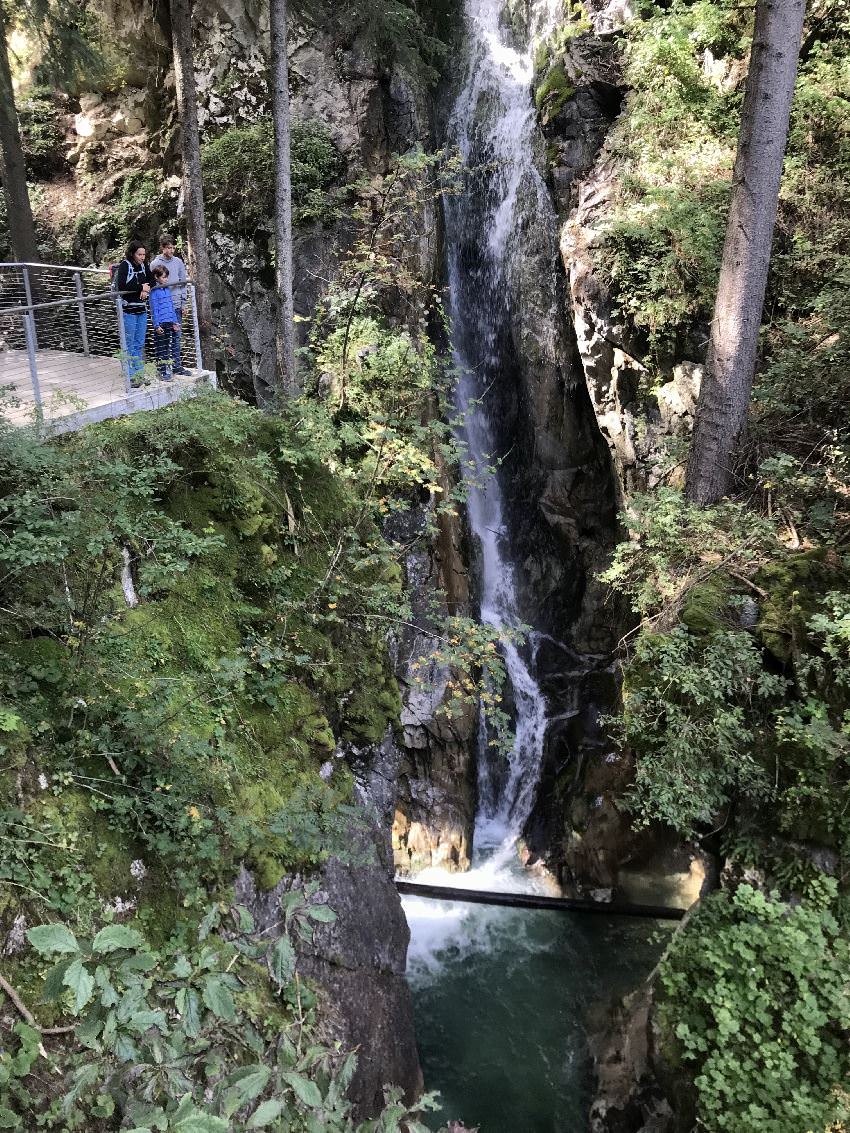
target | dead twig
[{"x": 26, "y": 1014}]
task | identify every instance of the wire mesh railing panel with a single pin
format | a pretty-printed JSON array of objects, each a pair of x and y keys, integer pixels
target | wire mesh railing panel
[{"x": 67, "y": 345}]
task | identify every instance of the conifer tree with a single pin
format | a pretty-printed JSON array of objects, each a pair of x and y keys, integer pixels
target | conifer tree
[
  {"x": 725, "y": 395},
  {"x": 287, "y": 381},
  {"x": 57, "y": 29},
  {"x": 18, "y": 209},
  {"x": 193, "y": 186}
]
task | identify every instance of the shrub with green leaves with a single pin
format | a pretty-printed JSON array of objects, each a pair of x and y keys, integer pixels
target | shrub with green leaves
[
  {"x": 673, "y": 148},
  {"x": 184, "y": 1038},
  {"x": 756, "y": 1003},
  {"x": 736, "y": 686},
  {"x": 41, "y": 135},
  {"x": 238, "y": 168},
  {"x": 697, "y": 711},
  {"x": 674, "y": 145}
]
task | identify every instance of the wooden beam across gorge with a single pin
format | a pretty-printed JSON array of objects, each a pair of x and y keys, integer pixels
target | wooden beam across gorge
[{"x": 533, "y": 901}]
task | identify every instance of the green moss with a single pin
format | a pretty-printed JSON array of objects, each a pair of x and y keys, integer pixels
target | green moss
[
  {"x": 374, "y": 704},
  {"x": 268, "y": 871},
  {"x": 111, "y": 856},
  {"x": 161, "y": 914},
  {"x": 707, "y": 605},
  {"x": 541, "y": 56},
  {"x": 220, "y": 695},
  {"x": 794, "y": 587},
  {"x": 553, "y": 93}
]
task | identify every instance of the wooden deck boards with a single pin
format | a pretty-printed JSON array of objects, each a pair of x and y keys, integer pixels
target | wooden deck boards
[{"x": 77, "y": 389}]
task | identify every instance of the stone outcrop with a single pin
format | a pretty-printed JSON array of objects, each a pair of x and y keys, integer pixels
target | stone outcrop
[
  {"x": 638, "y": 1088},
  {"x": 359, "y": 960},
  {"x": 640, "y": 417},
  {"x": 358, "y": 963},
  {"x": 435, "y": 805},
  {"x": 629, "y": 1098}
]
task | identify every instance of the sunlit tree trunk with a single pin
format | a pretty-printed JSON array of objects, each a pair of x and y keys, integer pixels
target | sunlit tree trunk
[
  {"x": 18, "y": 210},
  {"x": 285, "y": 329},
  {"x": 724, "y": 398},
  {"x": 193, "y": 188}
]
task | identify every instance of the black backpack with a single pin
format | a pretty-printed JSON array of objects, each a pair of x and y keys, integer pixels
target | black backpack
[{"x": 113, "y": 276}]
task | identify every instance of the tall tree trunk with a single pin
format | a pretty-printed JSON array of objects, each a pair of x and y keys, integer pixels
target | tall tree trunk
[
  {"x": 18, "y": 211},
  {"x": 287, "y": 380},
  {"x": 724, "y": 398},
  {"x": 193, "y": 186}
]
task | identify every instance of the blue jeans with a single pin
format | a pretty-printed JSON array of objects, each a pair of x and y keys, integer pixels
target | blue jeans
[
  {"x": 135, "y": 329},
  {"x": 166, "y": 349},
  {"x": 178, "y": 334}
]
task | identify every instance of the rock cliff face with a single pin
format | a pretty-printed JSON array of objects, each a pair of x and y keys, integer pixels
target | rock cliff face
[
  {"x": 435, "y": 804},
  {"x": 359, "y": 961},
  {"x": 578, "y": 428},
  {"x": 637, "y": 422}
]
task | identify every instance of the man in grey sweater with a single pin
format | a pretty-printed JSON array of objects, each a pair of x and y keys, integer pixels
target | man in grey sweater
[{"x": 176, "y": 274}]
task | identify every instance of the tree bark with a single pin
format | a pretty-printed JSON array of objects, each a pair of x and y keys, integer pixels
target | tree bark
[
  {"x": 18, "y": 210},
  {"x": 287, "y": 380},
  {"x": 193, "y": 186},
  {"x": 721, "y": 415}
]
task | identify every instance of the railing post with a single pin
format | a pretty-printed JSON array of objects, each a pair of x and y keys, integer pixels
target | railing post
[
  {"x": 29, "y": 331},
  {"x": 196, "y": 330},
  {"x": 122, "y": 339},
  {"x": 28, "y": 295},
  {"x": 84, "y": 330}
]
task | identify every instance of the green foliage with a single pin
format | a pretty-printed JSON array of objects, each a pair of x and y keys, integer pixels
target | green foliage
[
  {"x": 153, "y": 750},
  {"x": 41, "y": 135},
  {"x": 135, "y": 214},
  {"x": 185, "y": 1039},
  {"x": 676, "y": 548},
  {"x": 388, "y": 396},
  {"x": 709, "y": 717},
  {"x": 675, "y": 146},
  {"x": 238, "y": 168},
  {"x": 696, "y": 710},
  {"x": 755, "y": 1000}
]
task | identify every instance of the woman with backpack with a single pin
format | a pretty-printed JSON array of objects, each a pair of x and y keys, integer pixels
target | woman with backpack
[{"x": 133, "y": 281}]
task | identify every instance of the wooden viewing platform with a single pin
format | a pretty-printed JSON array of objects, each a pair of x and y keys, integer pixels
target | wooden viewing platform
[
  {"x": 78, "y": 391},
  {"x": 63, "y": 354}
]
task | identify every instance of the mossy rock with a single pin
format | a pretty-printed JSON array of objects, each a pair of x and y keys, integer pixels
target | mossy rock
[
  {"x": 794, "y": 588},
  {"x": 553, "y": 93},
  {"x": 706, "y": 608}
]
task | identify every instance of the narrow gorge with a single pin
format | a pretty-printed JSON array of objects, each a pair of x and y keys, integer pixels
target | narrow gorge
[{"x": 444, "y": 614}]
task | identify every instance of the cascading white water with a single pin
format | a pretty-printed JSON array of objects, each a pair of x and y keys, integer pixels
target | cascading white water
[
  {"x": 492, "y": 126},
  {"x": 497, "y": 991}
]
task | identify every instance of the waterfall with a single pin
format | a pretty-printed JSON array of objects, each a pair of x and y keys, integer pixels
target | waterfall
[
  {"x": 492, "y": 126},
  {"x": 498, "y": 992}
]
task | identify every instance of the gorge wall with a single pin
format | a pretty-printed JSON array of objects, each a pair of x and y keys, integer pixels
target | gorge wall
[{"x": 573, "y": 431}]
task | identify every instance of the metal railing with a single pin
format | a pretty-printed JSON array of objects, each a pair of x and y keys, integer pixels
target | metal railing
[{"x": 67, "y": 318}]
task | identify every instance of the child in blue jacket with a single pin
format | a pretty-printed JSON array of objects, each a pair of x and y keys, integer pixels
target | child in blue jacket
[{"x": 165, "y": 323}]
